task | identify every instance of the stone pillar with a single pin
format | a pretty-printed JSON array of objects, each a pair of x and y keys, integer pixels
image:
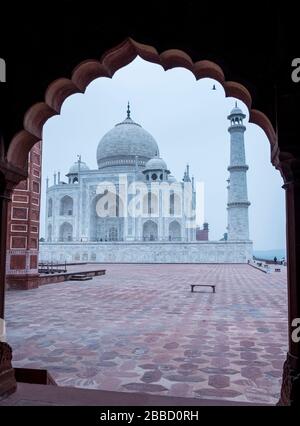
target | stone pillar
[
  {"x": 46, "y": 219},
  {"x": 160, "y": 221},
  {"x": 290, "y": 390},
  {"x": 4, "y": 197},
  {"x": 56, "y": 212},
  {"x": 8, "y": 382},
  {"x": 23, "y": 227}
]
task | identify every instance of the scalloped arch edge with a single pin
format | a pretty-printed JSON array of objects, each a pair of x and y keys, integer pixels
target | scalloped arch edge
[{"x": 106, "y": 66}]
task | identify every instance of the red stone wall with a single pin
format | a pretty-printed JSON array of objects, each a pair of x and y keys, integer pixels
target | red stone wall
[
  {"x": 201, "y": 234},
  {"x": 23, "y": 226}
]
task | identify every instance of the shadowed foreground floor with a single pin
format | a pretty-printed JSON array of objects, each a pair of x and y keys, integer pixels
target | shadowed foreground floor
[{"x": 140, "y": 329}]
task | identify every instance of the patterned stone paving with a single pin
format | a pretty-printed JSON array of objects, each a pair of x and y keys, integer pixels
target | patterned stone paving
[{"x": 139, "y": 328}]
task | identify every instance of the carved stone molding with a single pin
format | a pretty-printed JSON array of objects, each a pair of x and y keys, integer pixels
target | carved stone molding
[
  {"x": 290, "y": 388},
  {"x": 289, "y": 166},
  {"x": 8, "y": 382},
  {"x": 10, "y": 176}
]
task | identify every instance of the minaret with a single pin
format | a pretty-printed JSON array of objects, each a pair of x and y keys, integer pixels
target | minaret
[
  {"x": 186, "y": 176},
  {"x": 237, "y": 206},
  {"x": 188, "y": 173}
]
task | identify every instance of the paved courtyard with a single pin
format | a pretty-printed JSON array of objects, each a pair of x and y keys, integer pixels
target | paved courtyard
[{"x": 139, "y": 328}]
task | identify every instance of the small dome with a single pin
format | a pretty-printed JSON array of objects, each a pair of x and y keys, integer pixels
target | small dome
[
  {"x": 236, "y": 111},
  {"x": 156, "y": 163},
  {"x": 74, "y": 169}
]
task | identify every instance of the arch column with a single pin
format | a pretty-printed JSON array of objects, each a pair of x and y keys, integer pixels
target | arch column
[
  {"x": 8, "y": 382},
  {"x": 23, "y": 227},
  {"x": 290, "y": 389}
]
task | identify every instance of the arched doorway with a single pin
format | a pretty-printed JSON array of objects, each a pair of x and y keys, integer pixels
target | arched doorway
[
  {"x": 66, "y": 206},
  {"x": 174, "y": 231},
  {"x": 175, "y": 204},
  {"x": 150, "y": 231},
  {"x": 150, "y": 204},
  {"x": 106, "y": 218},
  {"x": 66, "y": 232}
]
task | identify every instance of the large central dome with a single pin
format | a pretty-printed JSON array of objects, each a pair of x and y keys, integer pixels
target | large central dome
[{"x": 120, "y": 146}]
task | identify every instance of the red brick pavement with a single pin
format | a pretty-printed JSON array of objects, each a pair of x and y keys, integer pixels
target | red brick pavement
[{"x": 140, "y": 329}]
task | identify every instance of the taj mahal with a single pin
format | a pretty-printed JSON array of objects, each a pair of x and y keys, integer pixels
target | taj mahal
[{"x": 133, "y": 210}]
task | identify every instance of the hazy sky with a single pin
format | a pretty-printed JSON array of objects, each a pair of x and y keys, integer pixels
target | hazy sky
[{"x": 189, "y": 122}]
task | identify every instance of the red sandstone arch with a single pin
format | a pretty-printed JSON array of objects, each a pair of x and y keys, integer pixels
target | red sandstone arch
[{"x": 110, "y": 62}]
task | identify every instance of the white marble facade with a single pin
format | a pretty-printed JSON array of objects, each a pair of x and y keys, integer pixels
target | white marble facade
[
  {"x": 132, "y": 209},
  {"x": 150, "y": 252},
  {"x": 128, "y": 158}
]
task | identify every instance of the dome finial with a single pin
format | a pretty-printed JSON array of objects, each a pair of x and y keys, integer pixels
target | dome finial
[
  {"x": 128, "y": 110},
  {"x": 236, "y": 104}
]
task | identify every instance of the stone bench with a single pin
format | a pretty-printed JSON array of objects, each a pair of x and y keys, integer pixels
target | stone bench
[
  {"x": 80, "y": 277},
  {"x": 203, "y": 285}
]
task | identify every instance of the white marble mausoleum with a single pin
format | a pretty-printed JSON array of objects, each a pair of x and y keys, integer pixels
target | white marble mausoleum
[{"x": 131, "y": 208}]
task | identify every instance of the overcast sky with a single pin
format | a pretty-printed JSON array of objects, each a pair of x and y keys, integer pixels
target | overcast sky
[{"x": 189, "y": 122}]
